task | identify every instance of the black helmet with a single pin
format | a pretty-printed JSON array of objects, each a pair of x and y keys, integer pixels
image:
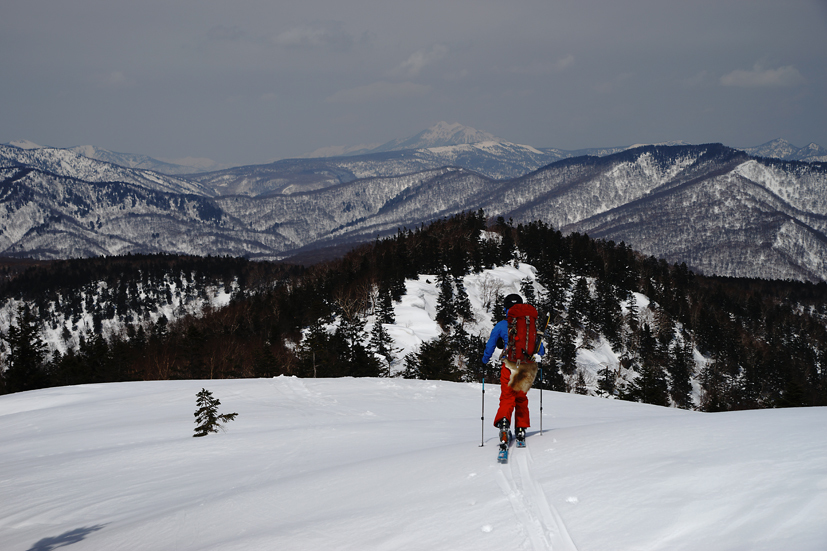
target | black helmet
[{"x": 511, "y": 300}]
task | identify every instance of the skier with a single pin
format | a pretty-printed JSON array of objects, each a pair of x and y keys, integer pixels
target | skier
[{"x": 512, "y": 389}]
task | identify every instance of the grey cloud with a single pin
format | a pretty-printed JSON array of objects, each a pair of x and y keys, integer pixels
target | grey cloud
[
  {"x": 759, "y": 77},
  {"x": 155, "y": 79}
]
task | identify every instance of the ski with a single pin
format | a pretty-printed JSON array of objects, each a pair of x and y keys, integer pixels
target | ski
[
  {"x": 502, "y": 456},
  {"x": 521, "y": 443},
  {"x": 505, "y": 440}
]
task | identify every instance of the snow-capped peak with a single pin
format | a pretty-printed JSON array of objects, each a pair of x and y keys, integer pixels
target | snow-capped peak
[
  {"x": 442, "y": 134},
  {"x": 25, "y": 144},
  {"x": 439, "y": 135},
  {"x": 454, "y": 134}
]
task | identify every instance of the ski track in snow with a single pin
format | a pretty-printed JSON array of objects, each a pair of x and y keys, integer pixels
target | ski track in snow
[
  {"x": 542, "y": 524},
  {"x": 394, "y": 464}
]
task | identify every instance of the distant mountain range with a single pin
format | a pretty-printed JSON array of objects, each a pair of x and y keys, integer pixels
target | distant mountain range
[
  {"x": 130, "y": 160},
  {"x": 718, "y": 209},
  {"x": 68, "y": 163},
  {"x": 782, "y": 149},
  {"x": 497, "y": 160},
  {"x": 440, "y": 145},
  {"x": 757, "y": 213}
]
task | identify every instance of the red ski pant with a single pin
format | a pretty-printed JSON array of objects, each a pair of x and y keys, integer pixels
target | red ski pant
[{"x": 510, "y": 400}]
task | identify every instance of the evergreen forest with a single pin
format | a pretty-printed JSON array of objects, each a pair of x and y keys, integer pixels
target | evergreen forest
[{"x": 707, "y": 343}]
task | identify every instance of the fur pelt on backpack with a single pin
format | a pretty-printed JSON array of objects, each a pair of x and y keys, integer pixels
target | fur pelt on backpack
[{"x": 522, "y": 375}]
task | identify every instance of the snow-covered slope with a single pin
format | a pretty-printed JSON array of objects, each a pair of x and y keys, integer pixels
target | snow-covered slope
[
  {"x": 274, "y": 211},
  {"x": 782, "y": 149},
  {"x": 749, "y": 218},
  {"x": 498, "y": 160},
  {"x": 397, "y": 464},
  {"x": 49, "y": 216},
  {"x": 187, "y": 165},
  {"x": 145, "y": 162},
  {"x": 67, "y": 163}
]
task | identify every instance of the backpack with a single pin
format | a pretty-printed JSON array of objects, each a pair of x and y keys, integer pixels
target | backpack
[{"x": 522, "y": 333}]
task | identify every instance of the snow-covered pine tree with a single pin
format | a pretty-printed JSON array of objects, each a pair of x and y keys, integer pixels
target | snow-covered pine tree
[
  {"x": 446, "y": 314},
  {"x": 607, "y": 381},
  {"x": 462, "y": 304},
  {"x": 650, "y": 387},
  {"x": 552, "y": 378},
  {"x": 580, "y": 384},
  {"x": 551, "y": 279},
  {"x": 498, "y": 309},
  {"x": 681, "y": 368},
  {"x": 206, "y": 416},
  {"x": 436, "y": 360},
  {"x": 316, "y": 350},
  {"x": 27, "y": 353},
  {"x": 468, "y": 350},
  {"x": 564, "y": 338},
  {"x": 386, "y": 313},
  {"x": 382, "y": 344},
  {"x": 507, "y": 245},
  {"x": 527, "y": 290},
  {"x": 412, "y": 366},
  {"x": 609, "y": 313},
  {"x": 632, "y": 314},
  {"x": 581, "y": 303}
]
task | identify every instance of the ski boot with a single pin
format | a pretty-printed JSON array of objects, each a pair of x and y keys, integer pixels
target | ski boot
[
  {"x": 502, "y": 455},
  {"x": 504, "y": 424},
  {"x": 520, "y": 437}
]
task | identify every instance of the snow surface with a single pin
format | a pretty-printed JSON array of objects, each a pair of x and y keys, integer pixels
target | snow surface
[{"x": 397, "y": 464}]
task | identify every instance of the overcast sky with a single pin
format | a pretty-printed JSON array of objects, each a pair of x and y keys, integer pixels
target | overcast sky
[{"x": 251, "y": 81}]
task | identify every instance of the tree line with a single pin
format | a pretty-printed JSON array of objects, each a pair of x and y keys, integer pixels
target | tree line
[{"x": 763, "y": 343}]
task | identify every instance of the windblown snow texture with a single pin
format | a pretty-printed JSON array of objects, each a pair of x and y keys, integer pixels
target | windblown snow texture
[{"x": 396, "y": 464}]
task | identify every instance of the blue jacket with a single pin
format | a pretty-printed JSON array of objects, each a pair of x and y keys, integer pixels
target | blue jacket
[{"x": 500, "y": 331}]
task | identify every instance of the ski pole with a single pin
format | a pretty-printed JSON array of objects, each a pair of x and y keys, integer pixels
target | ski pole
[
  {"x": 543, "y": 337},
  {"x": 482, "y": 417},
  {"x": 541, "y": 395}
]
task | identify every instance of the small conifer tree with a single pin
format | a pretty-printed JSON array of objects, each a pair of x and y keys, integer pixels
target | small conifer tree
[
  {"x": 382, "y": 344},
  {"x": 206, "y": 416},
  {"x": 386, "y": 313},
  {"x": 527, "y": 290},
  {"x": 462, "y": 304},
  {"x": 446, "y": 312}
]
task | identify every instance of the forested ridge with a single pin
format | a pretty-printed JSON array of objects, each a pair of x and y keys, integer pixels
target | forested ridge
[{"x": 742, "y": 343}]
